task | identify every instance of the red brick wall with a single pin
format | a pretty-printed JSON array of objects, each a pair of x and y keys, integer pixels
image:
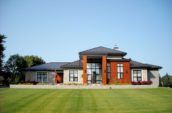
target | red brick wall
[
  {"x": 104, "y": 75},
  {"x": 84, "y": 63},
  {"x": 126, "y": 73}
]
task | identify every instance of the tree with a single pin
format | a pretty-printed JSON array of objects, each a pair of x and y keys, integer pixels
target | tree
[
  {"x": 2, "y": 48},
  {"x": 166, "y": 80},
  {"x": 15, "y": 65},
  {"x": 33, "y": 60}
]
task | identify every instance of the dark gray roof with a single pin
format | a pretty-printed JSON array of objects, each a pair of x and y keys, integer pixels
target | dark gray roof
[
  {"x": 135, "y": 64},
  {"x": 75, "y": 64},
  {"x": 47, "y": 67},
  {"x": 102, "y": 51}
]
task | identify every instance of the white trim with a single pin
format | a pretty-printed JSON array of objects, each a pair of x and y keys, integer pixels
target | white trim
[
  {"x": 133, "y": 73},
  {"x": 42, "y": 79},
  {"x": 144, "y": 74}
]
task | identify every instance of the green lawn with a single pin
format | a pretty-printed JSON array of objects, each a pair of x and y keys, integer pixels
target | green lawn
[{"x": 86, "y": 101}]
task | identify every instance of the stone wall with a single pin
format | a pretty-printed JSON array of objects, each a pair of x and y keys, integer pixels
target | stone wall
[{"x": 82, "y": 86}]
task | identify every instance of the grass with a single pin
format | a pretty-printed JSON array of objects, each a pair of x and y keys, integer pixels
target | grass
[{"x": 86, "y": 101}]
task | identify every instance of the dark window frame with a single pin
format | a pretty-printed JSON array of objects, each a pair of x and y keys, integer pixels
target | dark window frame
[
  {"x": 108, "y": 71},
  {"x": 138, "y": 78},
  {"x": 120, "y": 71},
  {"x": 42, "y": 75},
  {"x": 94, "y": 67},
  {"x": 72, "y": 72}
]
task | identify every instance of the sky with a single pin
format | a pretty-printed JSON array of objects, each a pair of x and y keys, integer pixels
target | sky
[{"x": 57, "y": 30}]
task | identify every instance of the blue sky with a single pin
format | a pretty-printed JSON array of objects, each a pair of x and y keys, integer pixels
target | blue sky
[{"x": 57, "y": 30}]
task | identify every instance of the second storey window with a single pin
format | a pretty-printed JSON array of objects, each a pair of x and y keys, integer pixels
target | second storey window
[
  {"x": 120, "y": 71},
  {"x": 73, "y": 75},
  {"x": 42, "y": 77}
]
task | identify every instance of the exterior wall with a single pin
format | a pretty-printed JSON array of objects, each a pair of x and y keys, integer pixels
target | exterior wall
[
  {"x": 84, "y": 63},
  {"x": 66, "y": 77},
  {"x": 154, "y": 75},
  {"x": 144, "y": 74},
  {"x": 126, "y": 77},
  {"x": 51, "y": 77},
  {"x": 114, "y": 57},
  {"x": 32, "y": 76},
  {"x": 104, "y": 65}
]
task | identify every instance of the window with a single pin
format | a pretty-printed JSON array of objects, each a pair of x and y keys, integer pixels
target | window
[
  {"x": 108, "y": 71},
  {"x": 120, "y": 71},
  {"x": 73, "y": 75},
  {"x": 94, "y": 72},
  {"x": 137, "y": 75},
  {"x": 42, "y": 77}
]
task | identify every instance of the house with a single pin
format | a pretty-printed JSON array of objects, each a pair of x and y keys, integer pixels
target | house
[{"x": 98, "y": 65}]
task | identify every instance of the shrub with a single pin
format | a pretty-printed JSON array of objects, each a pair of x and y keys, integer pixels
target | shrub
[{"x": 28, "y": 82}]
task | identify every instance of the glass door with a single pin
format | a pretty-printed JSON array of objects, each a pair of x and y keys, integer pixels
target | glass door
[{"x": 94, "y": 73}]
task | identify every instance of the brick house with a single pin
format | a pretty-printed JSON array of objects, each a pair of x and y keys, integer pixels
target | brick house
[{"x": 98, "y": 65}]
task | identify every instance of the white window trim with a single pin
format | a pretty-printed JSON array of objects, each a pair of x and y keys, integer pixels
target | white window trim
[
  {"x": 133, "y": 73},
  {"x": 42, "y": 79},
  {"x": 73, "y": 76},
  {"x": 120, "y": 70}
]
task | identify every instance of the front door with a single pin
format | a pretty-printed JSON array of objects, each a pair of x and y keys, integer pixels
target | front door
[
  {"x": 94, "y": 77},
  {"x": 59, "y": 78}
]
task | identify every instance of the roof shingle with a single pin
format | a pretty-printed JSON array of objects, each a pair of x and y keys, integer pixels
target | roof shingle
[
  {"x": 75, "y": 64},
  {"x": 102, "y": 51},
  {"x": 135, "y": 64},
  {"x": 48, "y": 66}
]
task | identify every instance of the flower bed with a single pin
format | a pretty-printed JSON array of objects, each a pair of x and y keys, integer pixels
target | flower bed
[{"x": 142, "y": 83}]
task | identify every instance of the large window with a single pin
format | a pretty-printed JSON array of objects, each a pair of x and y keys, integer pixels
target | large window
[
  {"x": 137, "y": 75},
  {"x": 73, "y": 75},
  {"x": 108, "y": 71},
  {"x": 94, "y": 73},
  {"x": 42, "y": 77},
  {"x": 120, "y": 71}
]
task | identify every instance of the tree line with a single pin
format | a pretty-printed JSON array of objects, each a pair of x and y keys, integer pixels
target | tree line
[{"x": 12, "y": 71}]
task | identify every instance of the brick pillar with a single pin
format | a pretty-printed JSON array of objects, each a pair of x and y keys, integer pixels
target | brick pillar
[
  {"x": 127, "y": 72},
  {"x": 113, "y": 74},
  {"x": 84, "y": 63},
  {"x": 104, "y": 65}
]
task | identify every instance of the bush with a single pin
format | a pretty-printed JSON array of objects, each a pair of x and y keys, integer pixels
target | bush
[
  {"x": 142, "y": 83},
  {"x": 28, "y": 82},
  {"x": 166, "y": 81}
]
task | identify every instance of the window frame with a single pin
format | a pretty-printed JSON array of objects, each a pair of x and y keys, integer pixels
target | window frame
[
  {"x": 108, "y": 71},
  {"x": 41, "y": 76},
  {"x": 137, "y": 77},
  {"x": 94, "y": 67},
  {"x": 120, "y": 71},
  {"x": 74, "y": 78}
]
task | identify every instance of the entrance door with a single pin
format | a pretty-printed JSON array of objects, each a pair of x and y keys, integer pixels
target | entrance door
[
  {"x": 94, "y": 73},
  {"x": 94, "y": 77},
  {"x": 59, "y": 78}
]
